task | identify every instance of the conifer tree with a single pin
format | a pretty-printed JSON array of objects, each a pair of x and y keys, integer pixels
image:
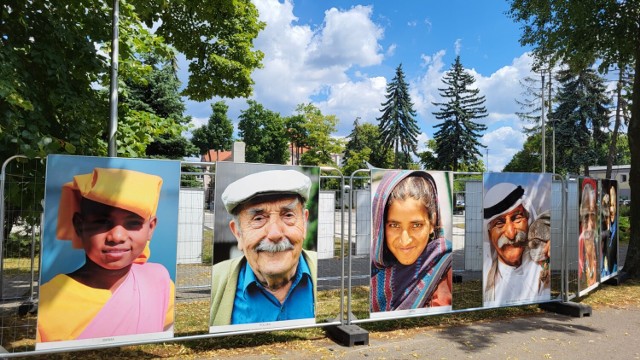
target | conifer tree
[
  {"x": 457, "y": 136},
  {"x": 581, "y": 115},
  {"x": 398, "y": 128}
]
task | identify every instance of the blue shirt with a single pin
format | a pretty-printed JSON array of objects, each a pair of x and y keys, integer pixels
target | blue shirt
[{"x": 254, "y": 304}]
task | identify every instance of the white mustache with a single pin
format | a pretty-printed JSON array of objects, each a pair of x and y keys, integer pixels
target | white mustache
[
  {"x": 520, "y": 238},
  {"x": 267, "y": 245}
]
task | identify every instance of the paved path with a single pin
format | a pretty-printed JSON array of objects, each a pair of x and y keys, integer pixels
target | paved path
[{"x": 608, "y": 333}]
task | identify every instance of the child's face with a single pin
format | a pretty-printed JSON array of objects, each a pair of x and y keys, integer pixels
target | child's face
[
  {"x": 406, "y": 229},
  {"x": 112, "y": 237}
]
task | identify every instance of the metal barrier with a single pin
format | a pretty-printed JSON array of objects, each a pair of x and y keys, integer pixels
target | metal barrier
[{"x": 22, "y": 188}]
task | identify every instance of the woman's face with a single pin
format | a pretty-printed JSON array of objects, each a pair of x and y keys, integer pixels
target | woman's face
[{"x": 406, "y": 229}]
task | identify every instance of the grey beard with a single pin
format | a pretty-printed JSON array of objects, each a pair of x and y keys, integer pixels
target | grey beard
[
  {"x": 267, "y": 245},
  {"x": 519, "y": 240}
]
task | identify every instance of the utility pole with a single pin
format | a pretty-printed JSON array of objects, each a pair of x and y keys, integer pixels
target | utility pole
[
  {"x": 543, "y": 128},
  {"x": 113, "y": 91},
  {"x": 487, "y": 150}
]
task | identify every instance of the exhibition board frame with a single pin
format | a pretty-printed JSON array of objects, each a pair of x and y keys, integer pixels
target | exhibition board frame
[{"x": 344, "y": 228}]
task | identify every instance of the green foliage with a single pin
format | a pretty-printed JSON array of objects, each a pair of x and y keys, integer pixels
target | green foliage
[
  {"x": 53, "y": 68},
  {"x": 457, "y": 136},
  {"x": 298, "y": 136},
  {"x": 153, "y": 95},
  {"x": 263, "y": 132},
  {"x": 216, "y": 37},
  {"x": 580, "y": 33},
  {"x": 321, "y": 144},
  {"x": 581, "y": 115},
  {"x": 398, "y": 129},
  {"x": 217, "y": 133},
  {"x": 527, "y": 159},
  {"x": 363, "y": 145}
]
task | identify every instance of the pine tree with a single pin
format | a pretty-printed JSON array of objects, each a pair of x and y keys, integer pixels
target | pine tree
[
  {"x": 581, "y": 115},
  {"x": 457, "y": 136},
  {"x": 398, "y": 129}
]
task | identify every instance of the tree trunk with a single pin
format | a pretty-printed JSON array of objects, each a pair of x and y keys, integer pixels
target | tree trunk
[
  {"x": 632, "y": 261},
  {"x": 616, "y": 125}
]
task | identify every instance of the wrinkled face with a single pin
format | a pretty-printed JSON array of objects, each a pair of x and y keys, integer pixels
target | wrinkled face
[
  {"x": 112, "y": 237},
  {"x": 588, "y": 217},
  {"x": 407, "y": 229},
  {"x": 271, "y": 235},
  {"x": 613, "y": 204},
  {"x": 508, "y": 235}
]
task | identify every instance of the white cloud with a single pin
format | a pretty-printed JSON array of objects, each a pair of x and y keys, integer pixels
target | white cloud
[
  {"x": 457, "y": 45},
  {"x": 412, "y": 23},
  {"x": 352, "y": 99},
  {"x": 391, "y": 50},
  {"x": 301, "y": 62},
  {"x": 503, "y": 86},
  {"x": 424, "y": 89},
  {"x": 502, "y": 143},
  {"x": 347, "y": 38}
]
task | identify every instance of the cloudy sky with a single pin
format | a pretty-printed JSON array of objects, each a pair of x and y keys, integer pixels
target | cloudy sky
[{"x": 340, "y": 55}]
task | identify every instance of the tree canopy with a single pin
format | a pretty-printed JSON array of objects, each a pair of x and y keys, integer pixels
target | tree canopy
[
  {"x": 263, "y": 132},
  {"x": 217, "y": 134},
  {"x": 54, "y": 66},
  {"x": 579, "y": 33},
  {"x": 398, "y": 128},
  {"x": 579, "y": 118},
  {"x": 457, "y": 135}
]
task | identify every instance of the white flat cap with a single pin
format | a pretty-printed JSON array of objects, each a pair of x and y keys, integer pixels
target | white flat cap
[{"x": 263, "y": 183}]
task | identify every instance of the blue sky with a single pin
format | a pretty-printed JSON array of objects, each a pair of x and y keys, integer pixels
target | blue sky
[{"x": 340, "y": 55}]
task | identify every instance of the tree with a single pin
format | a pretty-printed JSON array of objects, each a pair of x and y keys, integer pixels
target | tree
[
  {"x": 322, "y": 146},
  {"x": 527, "y": 159},
  {"x": 298, "y": 136},
  {"x": 363, "y": 146},
  {"x": 398, "y": 129},
  {"x": 263, "y": 132},
  {"x": 581, "y": 115},
  {"x": 622, "y": 107},
  {"x": 154, "y": 96},
  {"x": 579, "y": 33},
  {"x": 457, "y": 136},
  {"x": 217, "y": 133},
  {"x": 52, "y": 74}
]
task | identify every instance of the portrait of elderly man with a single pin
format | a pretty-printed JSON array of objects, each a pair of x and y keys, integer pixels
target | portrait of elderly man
[
  {"x": 275, "y": 278},
  {"x": 516, "y": 241}
]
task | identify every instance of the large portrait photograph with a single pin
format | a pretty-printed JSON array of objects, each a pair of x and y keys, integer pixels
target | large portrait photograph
[
  {"x": 265, "y": 268},
  {"x": 108, "y": 251},
  {"x": 609, "y": 229},
  {"x": 516, "y": 238},
  {"x": 411, "y": 261},
  {"x": 588, "y": 235}
]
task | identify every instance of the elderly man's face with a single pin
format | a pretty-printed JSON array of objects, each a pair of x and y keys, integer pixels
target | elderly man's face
[
  {"x": 271, "y": 234},
  {"x": 508, "y": 235},
  {"x": 588, "y": 215}
]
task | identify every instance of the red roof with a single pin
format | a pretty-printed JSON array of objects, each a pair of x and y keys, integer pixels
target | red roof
[{"x": 212, "y": 156}]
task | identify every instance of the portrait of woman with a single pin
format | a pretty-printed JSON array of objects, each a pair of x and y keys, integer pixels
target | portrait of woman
[{"x": 410, "y": 257}]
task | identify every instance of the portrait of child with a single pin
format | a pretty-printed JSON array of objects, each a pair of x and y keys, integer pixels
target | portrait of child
[{"x": 109, "y": 215}]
